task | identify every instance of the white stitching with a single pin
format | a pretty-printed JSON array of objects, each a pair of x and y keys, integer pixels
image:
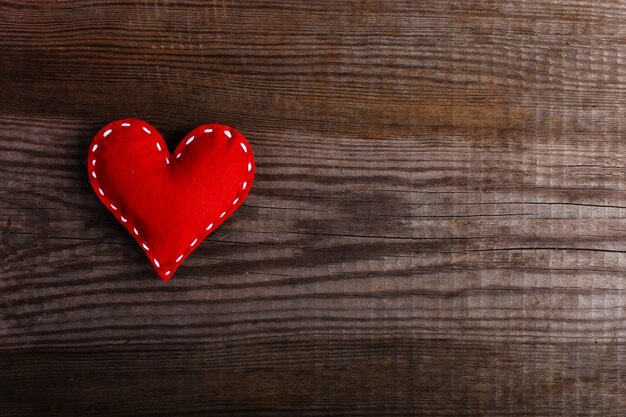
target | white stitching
[
  {"x": 145, "y": 129},
  {"x": 125, "y": 220}
]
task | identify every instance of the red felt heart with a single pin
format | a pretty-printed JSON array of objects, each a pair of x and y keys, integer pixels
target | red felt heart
[{"x": 170, "y": 203}]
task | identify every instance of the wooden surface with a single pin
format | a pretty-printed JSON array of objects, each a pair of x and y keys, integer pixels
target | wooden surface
[{"x": 437, "y": 227}]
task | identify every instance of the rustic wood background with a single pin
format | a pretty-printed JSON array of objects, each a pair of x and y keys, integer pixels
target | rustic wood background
[{"x": 438, "y": 223}]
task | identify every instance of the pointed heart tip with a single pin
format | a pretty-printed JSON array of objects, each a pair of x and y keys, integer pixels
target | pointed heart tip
[{"x": 164, "y": 278}]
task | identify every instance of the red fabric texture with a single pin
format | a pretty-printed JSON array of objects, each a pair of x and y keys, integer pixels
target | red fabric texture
[{"x": 170, "y": 202}]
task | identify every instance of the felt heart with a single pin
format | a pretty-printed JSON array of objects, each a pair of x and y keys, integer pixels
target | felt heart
[{"x": 170, "y": 203}]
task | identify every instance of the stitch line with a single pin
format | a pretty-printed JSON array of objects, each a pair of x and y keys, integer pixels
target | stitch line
[{"x": 187, "y": 142}]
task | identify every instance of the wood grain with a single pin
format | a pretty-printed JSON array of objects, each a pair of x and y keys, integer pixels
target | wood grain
[{"x": 436, "y": 227}]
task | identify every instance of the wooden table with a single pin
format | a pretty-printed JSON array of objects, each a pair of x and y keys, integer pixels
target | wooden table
[{"x": 437, "y": 227}]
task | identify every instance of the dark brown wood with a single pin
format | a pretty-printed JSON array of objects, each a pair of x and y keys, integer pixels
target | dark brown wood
[{"x": 437, "y": 225}]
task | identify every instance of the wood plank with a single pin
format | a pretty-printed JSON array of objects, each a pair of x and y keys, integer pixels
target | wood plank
[
  {"x": 436, "y": 225},
  {"x": 310, "y": 375}
]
